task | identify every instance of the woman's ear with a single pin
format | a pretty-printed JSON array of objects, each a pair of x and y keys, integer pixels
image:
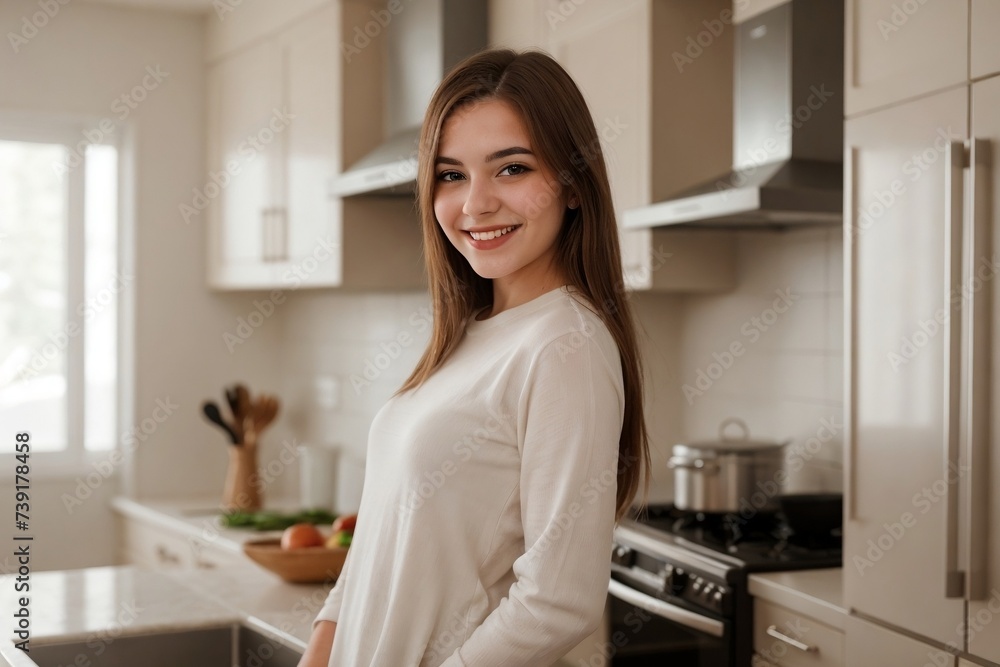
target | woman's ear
[{"x": 573, "y": 203}]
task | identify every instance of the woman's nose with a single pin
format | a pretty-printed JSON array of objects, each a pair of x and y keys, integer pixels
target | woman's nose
[{"x": 480, "y": 198}]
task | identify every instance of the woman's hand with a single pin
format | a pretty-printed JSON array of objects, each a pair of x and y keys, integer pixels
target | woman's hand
[{"x": 320, "y": 645}]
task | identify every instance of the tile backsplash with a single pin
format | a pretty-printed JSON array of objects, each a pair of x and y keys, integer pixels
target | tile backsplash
[{"x": 769, "y": 352}]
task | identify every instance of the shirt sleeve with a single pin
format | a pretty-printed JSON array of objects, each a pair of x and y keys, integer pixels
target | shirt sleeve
[
  {"x": 330, "y": 611},
  {"x": 571, "y": 413}
]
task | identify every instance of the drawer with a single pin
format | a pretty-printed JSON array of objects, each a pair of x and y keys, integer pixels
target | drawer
[{"x": 784, "y": 638}]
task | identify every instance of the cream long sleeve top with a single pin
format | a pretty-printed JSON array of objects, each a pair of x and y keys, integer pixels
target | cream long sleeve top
[{"x": 485, "y": 527}]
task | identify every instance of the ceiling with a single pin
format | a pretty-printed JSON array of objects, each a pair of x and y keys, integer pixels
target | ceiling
[{"x": 184, "y": 6}]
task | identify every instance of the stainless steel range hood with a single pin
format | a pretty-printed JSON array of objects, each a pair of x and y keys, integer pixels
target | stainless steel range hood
[
  {"x": 423, "y": 41},
  {"x": 789, "y": 128}
]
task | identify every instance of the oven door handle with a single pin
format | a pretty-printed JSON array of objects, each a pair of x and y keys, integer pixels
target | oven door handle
[{"x": 671, "y": 612}]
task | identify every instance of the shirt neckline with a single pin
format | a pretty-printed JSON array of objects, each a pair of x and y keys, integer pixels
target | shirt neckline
[{"x": 474, "y": 326}]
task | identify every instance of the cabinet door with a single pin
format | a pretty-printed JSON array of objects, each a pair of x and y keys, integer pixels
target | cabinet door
[
  {"x": 245, "y": 128},
  {"x": 869, "y": 645},
  {"x": 309, "y": 234},
  {"x": 896, "y": 527},
  {"x": 609, "y": 58},
  {"x": 898, "y": 49},
  {"x": 985, "y": 48},
  {"x": 984, "y": 501}
]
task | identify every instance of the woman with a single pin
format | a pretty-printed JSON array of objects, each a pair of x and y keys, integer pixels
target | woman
[{"x": 495, "y": 475}]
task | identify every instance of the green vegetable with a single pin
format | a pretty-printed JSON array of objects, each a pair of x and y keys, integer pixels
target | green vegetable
[
  {"x": 275, "y": 520},
  {"x": 344, "y": 538}
]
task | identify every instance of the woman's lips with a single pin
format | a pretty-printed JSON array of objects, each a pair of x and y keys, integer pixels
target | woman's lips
[{"x": 493, "y": 238}]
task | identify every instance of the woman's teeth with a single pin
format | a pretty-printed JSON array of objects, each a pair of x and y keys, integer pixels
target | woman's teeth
[{"x": 496, "y": 233}]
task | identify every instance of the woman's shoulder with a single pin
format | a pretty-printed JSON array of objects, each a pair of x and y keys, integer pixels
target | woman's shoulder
[{"x": 572, "y": 317}]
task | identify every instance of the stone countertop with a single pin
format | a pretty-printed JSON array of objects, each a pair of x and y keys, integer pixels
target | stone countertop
[
  {"x": 818, "y": 594},
  {"x": 97, "y": 605}
]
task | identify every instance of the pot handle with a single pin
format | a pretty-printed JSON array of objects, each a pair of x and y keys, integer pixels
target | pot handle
[
  {"x": 734, "y": 421},
  {"x": 697, "y": 464}
]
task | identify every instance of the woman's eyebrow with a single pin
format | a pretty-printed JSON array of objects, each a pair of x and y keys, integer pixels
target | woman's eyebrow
[{"x": 506, "y": 152}]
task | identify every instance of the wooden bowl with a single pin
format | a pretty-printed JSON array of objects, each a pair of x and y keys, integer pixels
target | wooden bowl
[{"x": 308, "y": 565}]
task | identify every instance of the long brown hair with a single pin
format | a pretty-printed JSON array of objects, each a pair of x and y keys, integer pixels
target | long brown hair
[{"x": 563, "y": 136}]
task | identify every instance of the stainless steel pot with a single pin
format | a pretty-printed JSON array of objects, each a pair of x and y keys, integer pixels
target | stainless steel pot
[{"x": 730, "y": 475}]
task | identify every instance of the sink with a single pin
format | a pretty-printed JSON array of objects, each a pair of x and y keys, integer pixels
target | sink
[{"x": 229, "y": 646}]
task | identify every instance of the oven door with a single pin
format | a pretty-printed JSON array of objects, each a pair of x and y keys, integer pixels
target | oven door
[{"x": 647, "y": 631}]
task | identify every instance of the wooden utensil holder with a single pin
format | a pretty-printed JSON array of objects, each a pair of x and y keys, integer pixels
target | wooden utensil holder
[{"x": 242, "y": 490}]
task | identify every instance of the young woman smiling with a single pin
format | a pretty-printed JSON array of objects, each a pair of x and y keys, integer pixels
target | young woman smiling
[{"x": 497, "y": 472}]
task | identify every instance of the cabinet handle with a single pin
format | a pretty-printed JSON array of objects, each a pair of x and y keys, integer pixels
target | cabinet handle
[
  {"x": 265, "y": 236},
  {"x": 954, "y": 585},
  {"x": 977, "y": 338},
  {"x": 772, "y": 630},
  {"x": 282, "y": 224},
  {"x": 166, "y": 556}
]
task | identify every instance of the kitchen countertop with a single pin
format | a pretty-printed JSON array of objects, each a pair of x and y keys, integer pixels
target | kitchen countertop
[
  {"x": 192, "y": 518},
  {"x": 103, "y": 603},
  {"x": 817, "y": 594}
]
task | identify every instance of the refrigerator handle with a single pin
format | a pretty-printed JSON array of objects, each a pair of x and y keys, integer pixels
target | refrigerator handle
[
  {"x": 851, "y": 233},
  {"x": 953, "y": 194},
  {"x": 977, "y": 340}
]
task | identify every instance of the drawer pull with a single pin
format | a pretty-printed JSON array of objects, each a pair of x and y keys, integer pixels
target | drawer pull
[{"x": 772, "y": 630}]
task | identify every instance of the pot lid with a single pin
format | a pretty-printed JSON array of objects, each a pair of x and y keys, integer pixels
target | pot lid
[{"x": 729, "y": 442}]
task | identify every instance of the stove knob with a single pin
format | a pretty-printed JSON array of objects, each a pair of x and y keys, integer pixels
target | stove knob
[
  {"x": 623, "y": 556},
  {"x": 707, "y": 590},
  {"x": 717, "y": 600},
  {"x": 677, "y": 582}
]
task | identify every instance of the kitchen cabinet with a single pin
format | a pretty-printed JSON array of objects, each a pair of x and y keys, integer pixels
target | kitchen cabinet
[
  {"x": 280, "y": 126},
  {"x": 899, "y": 50},
  {"x": 784, "y": 638},
  {"x": 921, "y": 549},
  {"x": 869, "y": 645},
  {"x": 985, "y": 52},
  {"x": 151, "y": 545},
  {"x": 648, "y": 110}
]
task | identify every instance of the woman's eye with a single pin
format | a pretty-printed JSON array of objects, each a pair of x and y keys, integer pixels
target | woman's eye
[
  {"x": 514, "y": 170},
  {"x": 448, "y": 176}
]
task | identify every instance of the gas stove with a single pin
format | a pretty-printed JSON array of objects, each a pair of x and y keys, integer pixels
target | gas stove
[{"x": 687, "y": 573}]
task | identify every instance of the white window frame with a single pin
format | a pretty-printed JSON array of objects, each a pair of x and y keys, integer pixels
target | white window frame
[{"x": 76, "y": 461}]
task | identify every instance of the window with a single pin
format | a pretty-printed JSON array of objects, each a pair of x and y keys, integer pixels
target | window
[{"x": 59, "y": 291}]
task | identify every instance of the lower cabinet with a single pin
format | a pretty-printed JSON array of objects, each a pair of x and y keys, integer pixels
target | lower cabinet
[
  {"x": 152, "y": 546},
  {"x": 784, "y": 638},
  {"x": 870, "y": 645}
]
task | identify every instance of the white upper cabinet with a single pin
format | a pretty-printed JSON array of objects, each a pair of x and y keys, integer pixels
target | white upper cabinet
[
  {"x": 985, "y": 53},
  {"x": 280, "y": 125},
  {"x": 900, "y": 49}
]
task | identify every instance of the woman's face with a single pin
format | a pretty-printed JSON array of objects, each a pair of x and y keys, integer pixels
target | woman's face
[{"x": 499, "y": 205}]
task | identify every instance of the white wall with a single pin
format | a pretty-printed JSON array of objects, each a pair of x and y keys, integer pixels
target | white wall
[{"x": 79, "y": 63}]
